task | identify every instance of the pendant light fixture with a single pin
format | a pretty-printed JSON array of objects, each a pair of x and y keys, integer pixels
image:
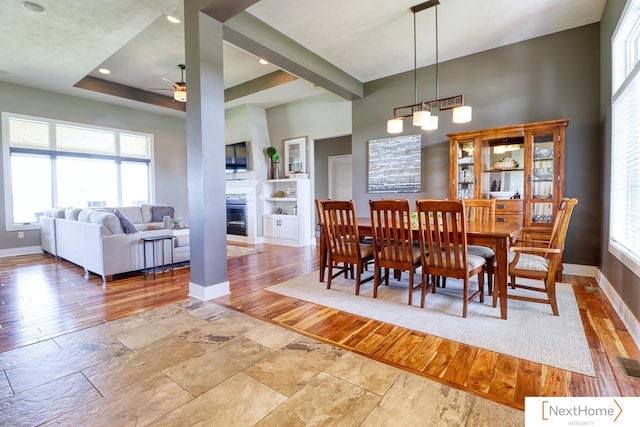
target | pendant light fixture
[{"x": 422, "y": 112}]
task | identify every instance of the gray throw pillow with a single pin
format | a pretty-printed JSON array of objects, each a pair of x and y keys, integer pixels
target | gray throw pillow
[
  {"x": 159, "y": 212},
  {"x": 126, "y": 224}
]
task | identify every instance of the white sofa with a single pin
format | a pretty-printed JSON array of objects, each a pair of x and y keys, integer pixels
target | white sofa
[{"x": 94, "y": 239}]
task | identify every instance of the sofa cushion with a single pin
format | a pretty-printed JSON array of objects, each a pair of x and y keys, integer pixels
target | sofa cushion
[
  {"x": 146, "y": 226},
  {"x": 127, "y": 226},
  {"x": 145, "y": 210},
  {"x": 109, "y": 220},
  {"x": 72, "y": 213},
  {"x": 54, "y": 213},
  {"x": 159, "y": 212},
  {"x": 85, "y": 214},
  {"x": 133, "y": 213},
  {"x": 182, "y": 238}
]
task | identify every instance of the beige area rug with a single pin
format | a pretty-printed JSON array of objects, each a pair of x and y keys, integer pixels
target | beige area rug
[
  {"x": 531, "y": 331},
  {"x": 234, "y": 251}
]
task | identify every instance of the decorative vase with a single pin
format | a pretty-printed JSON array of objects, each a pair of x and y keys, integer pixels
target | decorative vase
[{"x": 274, "y": 172}]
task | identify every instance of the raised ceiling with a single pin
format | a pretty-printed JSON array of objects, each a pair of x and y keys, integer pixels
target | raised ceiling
[{"x": 367, "y": 39}]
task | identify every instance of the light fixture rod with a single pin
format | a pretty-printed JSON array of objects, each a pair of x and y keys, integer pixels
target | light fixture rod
[
  {"x": 442, "y": 104},
  {"x": 437, "y": 73},
  {"x": 415, "y": 62}
]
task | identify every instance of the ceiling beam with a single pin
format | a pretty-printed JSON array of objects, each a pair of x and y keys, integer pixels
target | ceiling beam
[
  {"x": 223, "y": 10},
  {"x": 254, "y": 36},
  {"x": 116, "y": 89},
  {"x": 258, "y": 84}
]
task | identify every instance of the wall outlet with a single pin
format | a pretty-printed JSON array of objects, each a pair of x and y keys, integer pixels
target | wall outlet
[{"x": 20, "y": 234}]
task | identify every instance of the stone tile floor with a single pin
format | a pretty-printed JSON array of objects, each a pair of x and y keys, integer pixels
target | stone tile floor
[{"x": 199, "y": 363}]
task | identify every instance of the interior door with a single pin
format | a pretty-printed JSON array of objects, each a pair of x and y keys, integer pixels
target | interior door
[{"x": 340, "y": 177}]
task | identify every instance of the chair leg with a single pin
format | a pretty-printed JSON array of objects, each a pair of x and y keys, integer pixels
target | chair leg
[
  {"x": 481, "y": 286},
  {"x": 551, "y": 294},
  {"x": 410, "y": 287},
  {"x": 490, "y": 274},
  {"x": 376, "y": 280},
  {"x": 358, "y": 275},
  {"x": 465, "y": 296}
]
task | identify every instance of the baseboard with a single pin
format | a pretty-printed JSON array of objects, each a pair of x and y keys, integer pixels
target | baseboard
[
  {"x": 580, "y": 270},
  {"x": 206, "y": 293},
  {"x": 26, "y": 250},
  {"x": 632, "y": 324}
]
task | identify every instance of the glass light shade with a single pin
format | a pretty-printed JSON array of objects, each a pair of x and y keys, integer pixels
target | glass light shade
[
  {"x": 420, "y": 117},
  {"x": 462, "y": 114},
  {"x": 432, "y": 124},
  {"x": 394, "y": 125},
  {"x": 180, "y": 95},
  {"x": 499, "y": 149}
]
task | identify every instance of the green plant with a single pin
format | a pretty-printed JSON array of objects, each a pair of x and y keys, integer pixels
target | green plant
[
  {"x": 275, "y": 158},
  {"x": 271, "y": 151}
]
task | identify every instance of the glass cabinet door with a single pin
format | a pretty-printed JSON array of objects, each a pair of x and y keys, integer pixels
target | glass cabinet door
[
  {"x": 542, "y": 178},
  {"x": 466, "y": 171}
]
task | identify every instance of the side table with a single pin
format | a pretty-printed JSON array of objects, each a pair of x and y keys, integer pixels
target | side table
[{"x": 152, "y": 240}]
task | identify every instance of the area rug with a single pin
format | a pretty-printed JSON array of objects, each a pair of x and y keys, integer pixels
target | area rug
[
  {"x": 531, "y": 331},
  {"x": 234, "y": 251}
]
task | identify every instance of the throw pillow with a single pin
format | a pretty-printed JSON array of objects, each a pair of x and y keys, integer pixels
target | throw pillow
[
  {"x": 109, "y": 220},
  {"x": 126, "y": 224},
  {"x": 159, "y": 212}
]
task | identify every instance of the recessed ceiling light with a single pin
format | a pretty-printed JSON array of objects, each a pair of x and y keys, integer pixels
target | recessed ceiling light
[
  {"x": 263, "y": 61},
  {"x": 104, "y": 70},
  {"x": 173, "y": 19},
  {"x": 33, "y": 7}
]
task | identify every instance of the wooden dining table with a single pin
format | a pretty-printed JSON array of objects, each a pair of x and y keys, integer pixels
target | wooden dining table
[{"x": 497, "y": 236}]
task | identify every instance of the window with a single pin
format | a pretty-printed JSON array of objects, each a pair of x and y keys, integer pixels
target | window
[
  {"x": 51, "y": 163},
  {"x": 624, "y": 240}
]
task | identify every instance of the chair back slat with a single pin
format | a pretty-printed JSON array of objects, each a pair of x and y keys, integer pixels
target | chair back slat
[
  {"x": 392, "y": 235},
  {"x": 443, "y": 236},
  {"x": 340, "y": 222},
  {"x": 480, "y": 210}
]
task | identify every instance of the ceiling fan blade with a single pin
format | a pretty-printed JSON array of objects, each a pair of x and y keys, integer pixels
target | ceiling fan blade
[{"x": 170, "y": 81}]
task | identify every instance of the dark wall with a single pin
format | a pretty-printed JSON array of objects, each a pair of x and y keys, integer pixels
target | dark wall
[
  {"x": 322, "y": 150},
  {"x": 552, "y": 77},
  {"x": 623, "y": 280}
]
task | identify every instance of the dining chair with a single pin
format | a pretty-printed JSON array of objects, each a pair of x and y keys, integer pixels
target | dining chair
[
  {"x": 322, "y": 239},
  {"x": 343, "y": 241},
  {"x": 539, "y": 260},
  {"x": 444, "y": 249},
  {"x": 393, "y": 243},
  {"x": 482, "y": 211}
]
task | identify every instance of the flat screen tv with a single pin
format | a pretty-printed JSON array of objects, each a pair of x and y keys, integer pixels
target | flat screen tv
[{"x": 236, "y": 157}]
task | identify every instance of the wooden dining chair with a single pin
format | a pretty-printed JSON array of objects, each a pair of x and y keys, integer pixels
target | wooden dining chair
[
  {"x": 393, "y": 243},
  {"x": 444, "y": 249},
  {"x": 540, "y": 260},
  {"x": 322, "y": 239},
  {"x": 343, "y": 242},
  {"x": 482, "y": 211}
]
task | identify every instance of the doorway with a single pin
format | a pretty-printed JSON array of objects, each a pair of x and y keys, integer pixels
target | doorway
[{"x": 340, "y": 176}]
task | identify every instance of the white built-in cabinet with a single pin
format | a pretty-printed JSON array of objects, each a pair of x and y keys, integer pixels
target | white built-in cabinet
[{"x": 286, "y": 219}]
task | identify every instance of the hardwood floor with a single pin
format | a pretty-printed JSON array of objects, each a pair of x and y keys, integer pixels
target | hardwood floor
[{"x": 41, "y": 298}]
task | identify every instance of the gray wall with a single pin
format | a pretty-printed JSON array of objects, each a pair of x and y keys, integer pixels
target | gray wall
[
  {"x": 169, "y": 143},
  {"x": 322, "y": 150},
  {"x": 623, "y": 280},
  {"x": 547, "y": 78}
]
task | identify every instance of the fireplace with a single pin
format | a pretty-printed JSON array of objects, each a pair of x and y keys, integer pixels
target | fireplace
[{"x": 236, "y": 214}]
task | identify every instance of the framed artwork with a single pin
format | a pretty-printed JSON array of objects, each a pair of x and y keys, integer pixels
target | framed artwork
[
  {"x": 294, "y": 156},
  {"x": 394, "y": 164}
]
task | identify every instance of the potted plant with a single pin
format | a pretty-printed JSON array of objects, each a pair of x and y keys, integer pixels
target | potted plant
[{"x": 274, "y": 160}]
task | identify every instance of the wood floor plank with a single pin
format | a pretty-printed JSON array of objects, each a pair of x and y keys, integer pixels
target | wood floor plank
[{"x": 42, "y": 297}]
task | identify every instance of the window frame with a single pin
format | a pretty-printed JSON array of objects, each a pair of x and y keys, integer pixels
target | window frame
[
  {"x": 625, "y": 68},
  {"x": 52, "y": 153}
]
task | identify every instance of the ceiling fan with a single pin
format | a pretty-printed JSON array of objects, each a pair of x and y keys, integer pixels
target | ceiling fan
[{"x": 179, "y": 88}]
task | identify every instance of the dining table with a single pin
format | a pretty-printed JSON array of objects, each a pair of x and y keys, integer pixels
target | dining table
[{"x": 497, "y": 236}]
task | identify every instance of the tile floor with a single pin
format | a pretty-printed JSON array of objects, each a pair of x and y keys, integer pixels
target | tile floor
[{"x": 199, "y": 363}]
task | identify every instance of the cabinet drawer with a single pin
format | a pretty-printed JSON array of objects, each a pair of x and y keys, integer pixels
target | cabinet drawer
[
  {"x": 515, "y": 218},
  {"x": 505, "y": 207}
]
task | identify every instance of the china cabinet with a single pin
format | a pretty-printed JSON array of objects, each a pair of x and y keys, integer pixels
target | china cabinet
[
  {"x": 286, "y": 218},
  {"x": 520, "y": 165}
]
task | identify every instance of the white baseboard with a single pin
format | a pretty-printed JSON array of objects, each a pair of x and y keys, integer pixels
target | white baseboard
[
  {"x": 206, "y": 293},
  {"x": 627, "y": 317},
  {"x": 27, "y": 250},
  {"x": 580, "y": 270}
]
